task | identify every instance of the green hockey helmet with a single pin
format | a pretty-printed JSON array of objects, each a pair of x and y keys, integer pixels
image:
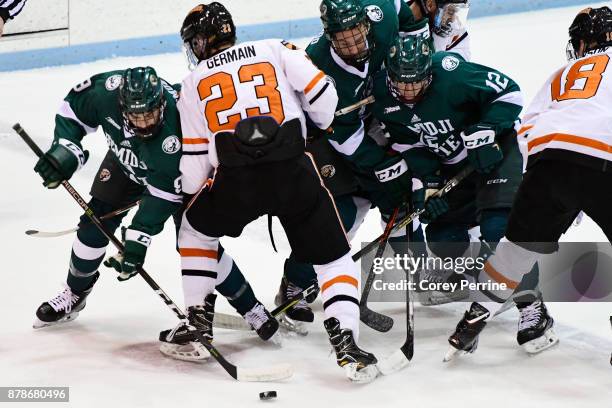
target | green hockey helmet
[
  {"x": 409, "y": 66},
  {"x": 142, "y": 101},
  {"x": 346, "y": 25}
]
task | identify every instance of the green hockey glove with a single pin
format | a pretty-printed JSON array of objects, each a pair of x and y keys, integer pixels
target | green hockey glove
[
  {"x": 136, "y": 244},
  {"x": 59, "y": 163},
  {"x": 395, "y": 179},
  {"x": 422, "y": 199},
  {"x": 483, "y": 151}
]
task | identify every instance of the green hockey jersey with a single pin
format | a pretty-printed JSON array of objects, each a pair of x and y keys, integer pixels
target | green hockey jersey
[
  {"x": 153, "y": 163},
  {"x": 386, "y": 18},
  {"x": 462, "y": 94}
]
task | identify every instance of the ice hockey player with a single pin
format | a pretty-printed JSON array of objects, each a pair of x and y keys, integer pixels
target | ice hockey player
[
  {"x": 569, "y": 169},
  {"x": 439, "y": 132},
  {"x": 356, "y": 35},
  {"x": 448, "y": 24},
  {"x": 137, "y": 112},
  {"x": 258, "y": 165}
]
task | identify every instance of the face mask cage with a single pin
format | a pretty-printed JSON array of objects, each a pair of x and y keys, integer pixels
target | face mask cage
[
  {"x": 195, "y": 50},
  {"x": 408, "y": 92},
  {"x": 352, "y": 45},
  {"x": 450, "y": 18},
  {"x": 570, "y": 50},
  {"x": 144, "y": 124}
]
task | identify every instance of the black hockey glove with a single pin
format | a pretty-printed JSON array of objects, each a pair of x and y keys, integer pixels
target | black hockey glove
[
  {"x": 58, "y": 164},
  {"x": 395, "y": 179},
  {"x": 483, "y": 151}
]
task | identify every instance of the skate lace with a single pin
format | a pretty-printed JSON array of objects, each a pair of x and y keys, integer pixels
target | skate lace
[
  {"x": 64, "y": 301},
  {"x": 292, "y": 291},
  {"x": 256, "y": 317},
  {"x": 530, "y": 315}
]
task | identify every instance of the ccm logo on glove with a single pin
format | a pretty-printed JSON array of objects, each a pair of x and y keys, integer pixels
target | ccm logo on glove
[
  {"x": 392, "y": 172},
  {"x": 477, "y": 139}
]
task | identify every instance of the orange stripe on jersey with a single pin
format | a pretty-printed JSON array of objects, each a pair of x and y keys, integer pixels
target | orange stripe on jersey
[
  {"x": 498, "y": 277},
  {"x": 524, "y": 129},
  {"x": 578, "y": 140},
  {"x": 198, "y": 252},
  {"x": 195, "y": 140},
  {"x": 314, "y": 81},
  {"x": 340, "y": 279}
]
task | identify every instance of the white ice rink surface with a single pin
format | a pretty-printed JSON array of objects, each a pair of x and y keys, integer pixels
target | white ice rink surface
[{"x": 109, "y": 356}]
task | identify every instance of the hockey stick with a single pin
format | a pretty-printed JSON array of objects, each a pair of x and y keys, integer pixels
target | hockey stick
[
  {"x": 49, "y": 234},
  {"x": 355, "y": 106},
  {"x": 233, "y": 322},
  {"x": 240, "y": 374},
  {"x": 452, "y": 183},
  {"x": 375, "y": 320},
  {"x": 400, "y": 358}
]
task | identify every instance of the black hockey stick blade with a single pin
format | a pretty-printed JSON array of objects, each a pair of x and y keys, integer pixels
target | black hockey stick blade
[
  {"x": 372, "y": 319},
  {"x": 375, "y": 320}
]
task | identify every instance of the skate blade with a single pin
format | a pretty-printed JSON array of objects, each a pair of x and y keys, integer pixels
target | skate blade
[
  {"x": 39, "y": 324},
  {"x": 293, "y": 326},
  {"x": 363, "y": 375},
  {"x": 545, "y": 341},
  {"x": 392, "y": 364},
  {"x": 453, "y": 353},
  {"x": 193, "y": 352}
]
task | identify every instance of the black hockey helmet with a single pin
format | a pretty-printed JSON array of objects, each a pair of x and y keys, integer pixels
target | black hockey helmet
[
  {"x": 142, "y": 101},
  {"x": 207, "y": 30},
  {"x": 591, "y": 29}
]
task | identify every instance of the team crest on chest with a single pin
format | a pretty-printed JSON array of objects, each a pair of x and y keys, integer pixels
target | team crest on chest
[
  {"x": 328, "y": 171},
  {"x": 450, "y": 63},
  {"x": 171, "y": 145},
  {"x": 374, "y": 13},
  {"x": 105, "y": 175},
  {"x": 113, "y": 82}
]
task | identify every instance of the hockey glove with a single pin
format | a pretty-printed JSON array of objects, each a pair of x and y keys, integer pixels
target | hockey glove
[
  {"x": 395, "y": 179},
  {"x": 483, "y": 151},
  {"x": 422, "y": 199},
  {"x": 136, "y": 244},
  {"x": 58, "y": 164}
]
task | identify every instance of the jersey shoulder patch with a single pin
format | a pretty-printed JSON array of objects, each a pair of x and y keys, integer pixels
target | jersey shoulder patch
[{"x": 289, "y": 45}]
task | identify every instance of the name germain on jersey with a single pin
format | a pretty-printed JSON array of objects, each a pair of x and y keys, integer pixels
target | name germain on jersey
[{"x": 234, "y": 54}]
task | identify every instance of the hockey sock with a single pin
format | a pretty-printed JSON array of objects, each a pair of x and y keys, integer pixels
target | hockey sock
[
  {"x": 232, "y": 284},
  {"x": 339, "y": 283},
  {"x": 493, "y": 225},
  {"x": 300, "y": 274},
  {"x": 199, "y": 265},
  {"x": 89, "y": 247},
  {"x": 508, "y": 265}
]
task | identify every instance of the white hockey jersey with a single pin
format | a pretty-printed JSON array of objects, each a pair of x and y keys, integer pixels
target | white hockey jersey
[
  {"x": 458, "y": 42},
  {"x": 570, "y": 118},
  {"x": 267, "y": 77}
]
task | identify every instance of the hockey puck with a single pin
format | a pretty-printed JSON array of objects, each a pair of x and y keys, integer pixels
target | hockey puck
[{"x": 267, "y": 395}]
